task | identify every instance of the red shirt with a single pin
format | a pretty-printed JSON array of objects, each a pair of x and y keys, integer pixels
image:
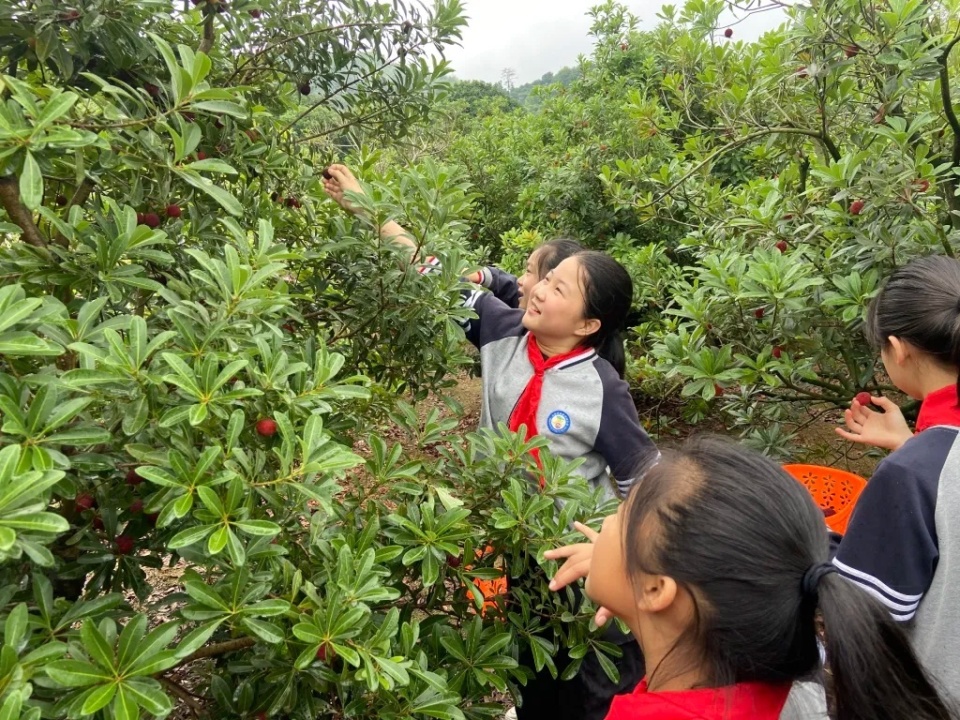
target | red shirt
[
  {"x": 939, "y": 408},
  {"x": 745, "y": 701}
]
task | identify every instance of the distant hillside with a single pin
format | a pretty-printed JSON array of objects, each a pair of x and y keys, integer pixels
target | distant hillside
[{"x": 564, "y": 76}]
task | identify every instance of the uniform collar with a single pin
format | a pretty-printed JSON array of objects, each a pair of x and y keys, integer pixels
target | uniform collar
[
  {"x": 939, "y": 408},
  {"x": 744, "y": 701}
]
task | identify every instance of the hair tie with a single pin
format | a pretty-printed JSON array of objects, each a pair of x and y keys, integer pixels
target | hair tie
[{"x": 813, "y": 576}]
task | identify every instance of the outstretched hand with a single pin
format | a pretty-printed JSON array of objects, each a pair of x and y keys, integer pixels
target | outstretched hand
[
  {"x": 576, "y": 566},
  {"x": 887, "y": 430},
  {"x": 342, "y": 181}
]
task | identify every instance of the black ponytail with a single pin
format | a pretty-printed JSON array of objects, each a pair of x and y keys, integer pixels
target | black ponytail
[
  {"x": 553, "y": 252},
  {"x": 750, "y": 546},
  {"x": 920, "y": 303},
  {"x": 608, "y": 293},
  {"x": 875, "y": 672}
]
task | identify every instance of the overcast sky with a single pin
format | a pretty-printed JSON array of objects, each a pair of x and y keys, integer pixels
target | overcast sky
[{"x": 536, "y": 36}]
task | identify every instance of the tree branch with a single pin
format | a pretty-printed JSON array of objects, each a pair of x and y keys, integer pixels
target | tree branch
[
  {"x": 827, "y": 142},
  {"x": 18, "y": 212},
  {"x": 219, "y": 649},
  {"x": 79, "y": 198},
  {"x": 181, "y": 692},
  {"x": 206, "y": 45}
]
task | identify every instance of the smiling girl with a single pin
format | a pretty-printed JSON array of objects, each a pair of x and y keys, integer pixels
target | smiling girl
[{"x": 556, "y": 369}]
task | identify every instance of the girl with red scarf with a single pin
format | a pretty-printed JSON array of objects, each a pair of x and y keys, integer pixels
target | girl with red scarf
[
  {"x": 718, "y": 561},
  {"x": 555, "y": 368}
]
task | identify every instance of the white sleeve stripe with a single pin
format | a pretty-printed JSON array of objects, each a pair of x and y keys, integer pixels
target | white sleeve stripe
[
  {"x": 899, "y": 612},
  {"x": 472, "y": 299},
  {"x": 861, "y": 577}
]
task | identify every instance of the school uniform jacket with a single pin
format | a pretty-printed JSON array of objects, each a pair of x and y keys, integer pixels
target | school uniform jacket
[
  {"x": 903, "y": 542},
  {"x": 586, "y": 410}
]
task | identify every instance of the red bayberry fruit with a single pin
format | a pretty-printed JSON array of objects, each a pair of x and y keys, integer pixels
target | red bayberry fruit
[
  {"x": 97, "y": 523},
  {"x": 61, "y": 200},
  {"x": 781, "y": 246},
  {"x": 140, "y": 217},
  {"x": 304, "y": 89},
  {"x": 728, "y": 33},
  {"x": 151, "y": 89},
  {"x": 255, "y": 14},
  {"x": 124, "y": 544},
  {"x": 325, "y": 654},
  {"x": 173, "y": 211},
  {"x": 923, "y": 185},
  {"x": 454, "y": 561},
  {"x": 717, "y": 390},
  {"x": 201, "y": 155},
  {"x": 136, "y": 506},
  {"x": 777, "y": 352},
  {"x": 151, "y": 220},
  {"x": 266, "y": 427},
  {"x": 261, "y": 715},
  {"x": 864, "y": 398},
  {"x": 152, "y": 518},
  {"x": 85, "y": 501},
  {"x": 132, "y": 477},
  {"x": 71, "y": 16},
  {"x": 856, "y": 207},
  {"x": 851, "y": 51},
  {"x": 788, "y": 216},
  {"x": 292, "y": 202},
  {"x": 758, "y": 313}
]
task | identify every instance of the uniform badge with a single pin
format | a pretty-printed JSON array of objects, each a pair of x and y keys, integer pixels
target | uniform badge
[{"x": 558, "y": 422}]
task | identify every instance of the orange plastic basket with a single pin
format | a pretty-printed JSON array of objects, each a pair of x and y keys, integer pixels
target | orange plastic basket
[
  {"x": 835, "y": 491},
  {"x": 494, "y": 591}
]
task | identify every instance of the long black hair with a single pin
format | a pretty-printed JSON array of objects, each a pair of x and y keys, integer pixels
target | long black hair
[
  {"x": 741, "y": 536},
  {"x": 553, "y": 252},
  {"x": 920, "y": 303},
  {"x": 607, "y": 293}
]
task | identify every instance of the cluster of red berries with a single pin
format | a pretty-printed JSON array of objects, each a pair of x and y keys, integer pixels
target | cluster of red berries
[{"x": 152, "y": 219}]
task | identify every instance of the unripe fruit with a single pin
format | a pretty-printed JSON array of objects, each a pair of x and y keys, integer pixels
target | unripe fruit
[
  {"x": 84, "y": 501},
  {"x": 856, "y": 207},
  {"x": 781, "y": 246},
  {"x": 266, "y": 427},
  {"x": 173, "y": 211},
  {"x": 132, "y": 478},
  {"x": 728, "y": 33},
  {"x": 124, "y": 544},
  {"x": 864, "y": 398}
]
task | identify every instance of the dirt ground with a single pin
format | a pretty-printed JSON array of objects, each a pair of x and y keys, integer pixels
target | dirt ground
[{"x": 816, "y": 441}]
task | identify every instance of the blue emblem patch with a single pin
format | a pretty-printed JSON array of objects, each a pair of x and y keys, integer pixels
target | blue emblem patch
[{"x": 558, "y": 422}]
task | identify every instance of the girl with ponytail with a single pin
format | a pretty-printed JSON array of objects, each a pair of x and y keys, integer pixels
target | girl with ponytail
[
  {"x": 719, "y": 563},
  {"x": 902, "y": 537},
  {"x": 554, "y": 367}
]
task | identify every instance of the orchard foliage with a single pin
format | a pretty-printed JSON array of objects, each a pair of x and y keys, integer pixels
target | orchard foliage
[
  {"x": 758, "y": 192},
  {"x": 197, "y": 355}
]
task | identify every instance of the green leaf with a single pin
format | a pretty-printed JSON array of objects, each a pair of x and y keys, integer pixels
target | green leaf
[
  {"x": 74, "y": 673},
  {"x": 227, "y": 201},
  {"x": 220, "y": 107},
  {"x": 125, "y": 705},
  {"x": 189, "y": 536},
  {"x": 15, "y": 627},
  {"x": 218, "y": 540},
  {"x": 96, "y": 645},
  {"x": 257, "y": 527},
  {"x": 268, "y": 632},
  {"x": 149, "y": 695},
  {"x": 99, "y": 698},
  {"x": 31, "y": 183}
]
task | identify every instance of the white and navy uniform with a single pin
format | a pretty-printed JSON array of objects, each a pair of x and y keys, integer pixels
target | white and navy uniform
[
  {"x": 586, "y": 410},
  {"x": 501, "y": 283},
  {"x": 903, "y": 542}
]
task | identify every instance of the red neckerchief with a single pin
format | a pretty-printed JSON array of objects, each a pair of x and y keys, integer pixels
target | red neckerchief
[
  {"x": 744, "y": 701},
  {"x": 939, "y": 408},
  {"x": 525, "y": 412}
]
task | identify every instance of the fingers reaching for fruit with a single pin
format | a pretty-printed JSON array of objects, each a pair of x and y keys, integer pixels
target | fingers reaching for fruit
[
  {"x": 864, "y": 425},
  {"x": 337, "y": 181},
  {"x": 576, "y": 566}
]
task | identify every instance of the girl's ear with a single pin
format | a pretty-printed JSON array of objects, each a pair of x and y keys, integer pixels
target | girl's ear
[
  {"x": 900, "y": 351},
  {"x": 656, "y": 593},
  {"x": 588, "y": 328}
]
